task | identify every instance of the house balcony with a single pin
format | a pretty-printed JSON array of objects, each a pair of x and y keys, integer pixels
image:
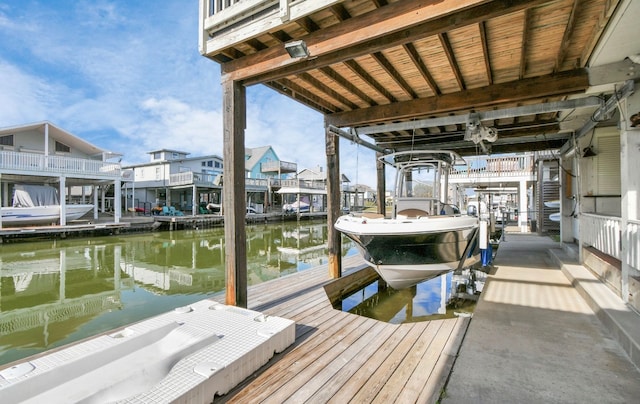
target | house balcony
[
  {"x": 281, "y": 167},
  {"x": 480, "y": 168},
  {"x": 248, "y": 18},
  {"x": 191, "y": 178},
  {"x": 21, "y": 163},
  {"x": 295, "y": 183}
]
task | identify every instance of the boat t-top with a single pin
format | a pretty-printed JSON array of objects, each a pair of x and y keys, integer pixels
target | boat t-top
[{"x": 425, "y": 236}]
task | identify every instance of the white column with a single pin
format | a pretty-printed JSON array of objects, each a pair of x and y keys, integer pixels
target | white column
[
  {"x": 95, "y": 201},
  {"x": 194, "y": 206},
  {"x": 63, "y": 201},
  {"x": 629, "y": 183},
  {"x": 117, "y": 201},
  {"x": 523, "y": 215}
]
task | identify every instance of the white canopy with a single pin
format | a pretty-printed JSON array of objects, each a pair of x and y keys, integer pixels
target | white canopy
[{"x": 299, "y": 190}]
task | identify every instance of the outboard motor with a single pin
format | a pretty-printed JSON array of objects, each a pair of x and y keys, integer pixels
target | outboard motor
[{"x": 472, "y": 210}]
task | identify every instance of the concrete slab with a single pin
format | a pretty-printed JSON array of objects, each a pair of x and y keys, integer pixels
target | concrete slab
[{"x": 534, "y": 339}]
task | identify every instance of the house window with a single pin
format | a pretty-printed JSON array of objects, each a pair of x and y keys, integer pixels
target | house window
[
  {"x": 157, "y": 156},
  {"x": 210, "y": 163},
  {"x": 61, "y": 147},
  {"x": 218, "y": 165},
  {"x": 204, "y": 164},
  {"x": 6, "y": 140}
]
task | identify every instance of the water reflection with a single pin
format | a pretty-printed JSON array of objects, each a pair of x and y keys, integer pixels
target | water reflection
[
  {"x": 446, "y": 296},
  {"x": 56, "y": 292}
]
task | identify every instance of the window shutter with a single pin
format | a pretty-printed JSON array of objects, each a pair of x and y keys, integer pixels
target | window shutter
[{"x": 608, "y": 165}]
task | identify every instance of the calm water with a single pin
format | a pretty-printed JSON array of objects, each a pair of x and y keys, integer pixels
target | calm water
[
  {"x": 56, "y": 292},
  {"x": 445, "y": 296}
]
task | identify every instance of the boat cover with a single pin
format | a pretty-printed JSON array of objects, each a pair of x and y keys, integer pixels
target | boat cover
[{"x": 34, "y": 195}]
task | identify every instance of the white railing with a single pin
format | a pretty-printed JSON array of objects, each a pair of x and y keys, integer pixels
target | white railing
[
  {"x": 295, "y": 183},
  {"x": 633, "y": 238},
  {"x": 57, "y": 165},
  {"x": 216, "y": 6},
  {"x": 602, "y": 233},
  {"x": 278, "y": 166},
  {"x": 191, "y": 178},
  {"x": 493, "y": 167}
]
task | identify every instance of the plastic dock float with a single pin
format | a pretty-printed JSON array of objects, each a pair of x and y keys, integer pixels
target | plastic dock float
[{"x": 187, "y": 355}]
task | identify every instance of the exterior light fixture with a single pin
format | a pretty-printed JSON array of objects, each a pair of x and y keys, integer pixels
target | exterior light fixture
[{"x": 297, "y": 49}]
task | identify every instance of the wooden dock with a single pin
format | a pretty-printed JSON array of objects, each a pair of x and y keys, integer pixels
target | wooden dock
[
  {"x": 61, "y": 231},
  {"x": 341, "y": 357}
]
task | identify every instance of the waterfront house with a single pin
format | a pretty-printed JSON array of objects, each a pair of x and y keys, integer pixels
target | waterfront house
[
  {"x": 173, "y": 178},
  {"x": 43, "y": 153}
]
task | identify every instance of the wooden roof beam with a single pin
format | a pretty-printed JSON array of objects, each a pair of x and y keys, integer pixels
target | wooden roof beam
[
  {"x": 566, "y": 37},
  {"x": 422, "y": 68},
  {"x": 523, "y": 47},
  {"x": 573, "y": 81},
  {"x": 347, "y": 85},
  {"x": 327, "y": 90},
  {"x": 366, "y": 77},
  {"x": 485, "y": 50},
  {"x": 451, "y": 57},
  {"x": 393, "y": 25},
  {"x": 394, "y": 74}
]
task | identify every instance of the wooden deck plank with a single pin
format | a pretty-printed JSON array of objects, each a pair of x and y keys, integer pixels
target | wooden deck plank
[
  {"x": 398, "y": 379},
  {"x": 426, "y": 365},
  {"x": 339, "y": 357},
  {"x": 378, "y": 378},
  {"x": 335, "y": 376},
  {"x": 307, "y": 380},
  {"x": 301, "y": 355},
  {"x": 431, "y": 389}
]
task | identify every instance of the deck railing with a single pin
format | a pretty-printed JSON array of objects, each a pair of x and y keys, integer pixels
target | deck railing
[
  {"x": 191, "y": 178},
  {"x": 278, "y": 166},
  {"x": 494, "y": 167},
  {"x": 605, "y": 234},
  {"x": 602, "y": 233},
  {"x": 57, "y": 165}
]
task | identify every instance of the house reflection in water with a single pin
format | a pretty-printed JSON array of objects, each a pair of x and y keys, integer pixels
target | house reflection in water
[{"x": 56, "y": 292}]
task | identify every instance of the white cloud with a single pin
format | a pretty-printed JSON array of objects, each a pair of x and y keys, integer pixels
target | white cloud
[{"x": 128, "y": 77}]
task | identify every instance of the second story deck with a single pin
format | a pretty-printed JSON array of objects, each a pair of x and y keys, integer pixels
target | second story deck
[{"x": 20, "y": 163}]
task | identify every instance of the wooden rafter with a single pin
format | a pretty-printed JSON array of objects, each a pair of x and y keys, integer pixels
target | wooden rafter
[
  {"x": 327, "y": 90},
  {"x": 366, "y": 77},
  {"x": 307, "y": 24},
  {"x": 394, "y": 74},
  {"x": 347, "y": 85},
  {"x": 573, "y": 81},
  {"x": 393, "y": 25},
  {"x": 422, "y": 68},
  {"x": 523, "y": 52},
  {"x": 300, "y": 93},
  {"x": 482, "y": 26},
  {"x": 566, "y": 37},
  {"x": 451, "y": 57},
  {"x": 340, "y": 12}
]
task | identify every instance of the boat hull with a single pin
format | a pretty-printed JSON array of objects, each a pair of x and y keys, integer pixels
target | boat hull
[
  {"x": 41, "y": 214},
  {"x": 407, "y": 252}
]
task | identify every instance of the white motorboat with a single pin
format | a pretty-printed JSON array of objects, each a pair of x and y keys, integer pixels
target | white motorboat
[
  {"x": 425, "y": 237},
  {"x": 38, "y": 204}
]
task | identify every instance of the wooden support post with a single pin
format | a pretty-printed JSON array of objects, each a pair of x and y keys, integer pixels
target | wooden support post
[
  {"x": 333, "y": 205},
  {"x": 381, "y": 185},
  {"x": 233, "y": 190}
]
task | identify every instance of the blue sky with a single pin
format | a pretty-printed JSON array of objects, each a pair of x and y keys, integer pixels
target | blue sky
[{"x": 127, "y": 76}]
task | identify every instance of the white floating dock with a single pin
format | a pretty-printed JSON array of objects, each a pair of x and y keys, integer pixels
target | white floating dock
[{"x": 187, "y": 355}]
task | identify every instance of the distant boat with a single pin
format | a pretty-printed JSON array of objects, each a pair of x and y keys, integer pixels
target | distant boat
[
  {"x": 425, "y": 237},
  {"x": 38, "y": 204},
  {"x": 555, "y": 204},
  {"x": 555, "y": 217}
]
